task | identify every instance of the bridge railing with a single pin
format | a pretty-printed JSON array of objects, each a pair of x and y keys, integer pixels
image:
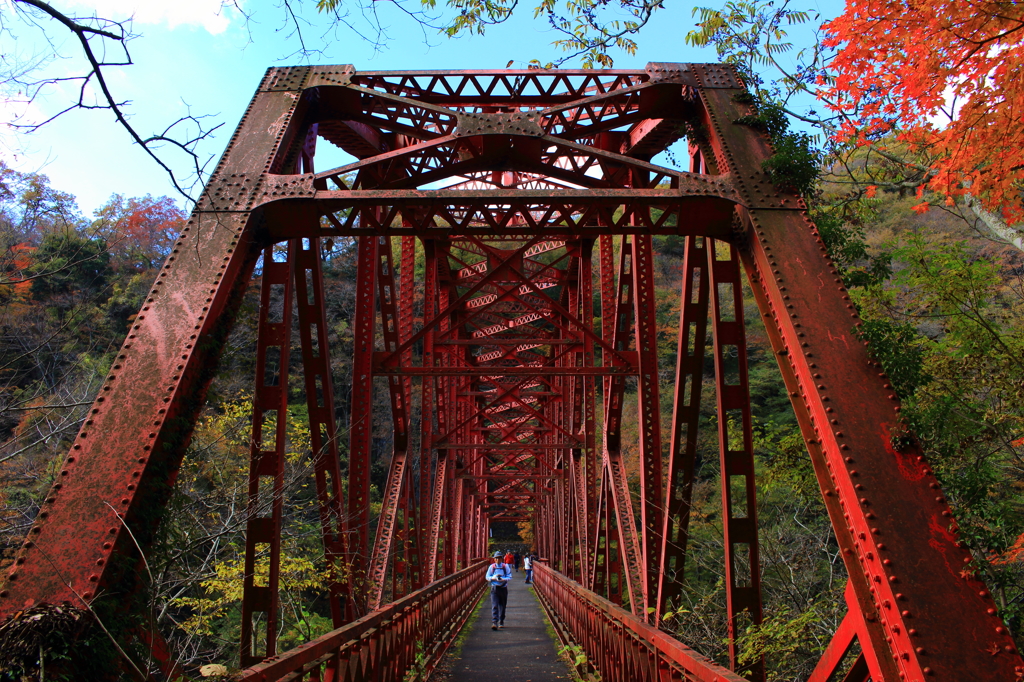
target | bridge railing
[
  {"x": 620, "y": 646},
  {"x": 401, "y": 642}
]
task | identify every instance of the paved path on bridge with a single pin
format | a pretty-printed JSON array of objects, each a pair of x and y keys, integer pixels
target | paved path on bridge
[{"x": 521, "y": 652}]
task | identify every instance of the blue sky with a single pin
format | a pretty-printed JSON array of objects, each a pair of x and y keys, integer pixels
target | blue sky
[{"x": 200, "y": 54}]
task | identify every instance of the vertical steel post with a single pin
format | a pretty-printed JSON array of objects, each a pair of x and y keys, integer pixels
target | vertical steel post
[
  {"x": 260, "y": 598},
  {"x": 622, "y": 322},
  {"x": 599, "y": 564},
  {"x": 361, "y": 415},
  {"x": 693, "y": 319},
  {"x": 431, "y": 489},
  {"x": 389, "y": 297},
  {"x": 412, "y": 514},
  {"x": 612, "y": 575},
  {"x": 649, "y": 418},
  {"x": 323, "y": 430},
  {"x": 311, "y": 307},
  {"x": 739, "y": 491},
  {"x": 588, "y": 425}
]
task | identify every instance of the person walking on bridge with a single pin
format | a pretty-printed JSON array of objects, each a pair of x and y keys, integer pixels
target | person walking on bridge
[{"x": 498, "y": 575}]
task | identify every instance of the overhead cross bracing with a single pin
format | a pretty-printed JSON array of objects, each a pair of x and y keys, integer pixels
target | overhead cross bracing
[{"x": 498, "y": 215}]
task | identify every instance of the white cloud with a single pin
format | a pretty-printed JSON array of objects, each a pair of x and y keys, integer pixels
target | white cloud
[{"x": 212, "y": 15}]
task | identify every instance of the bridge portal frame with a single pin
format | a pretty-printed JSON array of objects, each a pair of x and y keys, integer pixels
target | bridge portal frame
[{"x": 546, "y": 155}]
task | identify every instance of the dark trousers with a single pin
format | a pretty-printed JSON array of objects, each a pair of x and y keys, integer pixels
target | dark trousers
[
  {"x": 499, "y": 598},
  {"x": 529, "y": 575}
]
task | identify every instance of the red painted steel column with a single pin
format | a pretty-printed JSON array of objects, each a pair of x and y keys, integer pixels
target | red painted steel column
[
  {"x": 458, "y": 523},
  {"x": 606, "y": 292},
  {"x": 438, "y": 503},
  {"x": 609, "y": 308},
  {"x": 447, "y": 410},
  {"x": 431, "y": 490},
  {"x": 388, "y": 297},
  {"x": 361, "y": 417},
  {"x": 649, "y": 418},
  {"x": 693, "y": 322},
  {"x": 319, "y": 383},
  {"x": 592, "y": 463},
  {"x": 622, "y": 318},
  {"x": 599, "y": 576},
  {"x": 411, "y": 535},
  {"x": 323, "y": 429},
  {"x": 617, "y": 587},
  {"x": 568, "y": 498},
  {"x": 266, "y": 465},
  {"x": 582, "y": 423},
  {"x": 399, "y": 559},
  {"x": 451, "y": 508},
  {"x": 735, "y": 442}
]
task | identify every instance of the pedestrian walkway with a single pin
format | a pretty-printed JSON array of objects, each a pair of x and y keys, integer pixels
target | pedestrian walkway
[{"x": 521, "y": 652}]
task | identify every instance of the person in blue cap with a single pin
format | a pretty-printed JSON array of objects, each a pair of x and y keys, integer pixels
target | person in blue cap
[{"x": 498, "y": 575}]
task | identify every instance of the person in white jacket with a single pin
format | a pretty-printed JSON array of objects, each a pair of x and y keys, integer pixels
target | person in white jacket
[{"x": 528, "y": 566}]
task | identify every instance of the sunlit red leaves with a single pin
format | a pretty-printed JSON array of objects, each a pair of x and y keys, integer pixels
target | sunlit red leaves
[
  {"x": 901, "y": 65},
  {"x": 139, "y": 231},
  {"x": 1013, "y": 554},
  {"x": 17, "y": 267}
]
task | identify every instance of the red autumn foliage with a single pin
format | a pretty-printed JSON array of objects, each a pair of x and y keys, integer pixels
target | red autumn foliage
[
  {"x": 139, "y": 231},
  {"x": 902, "y": 64},
  {"x": 21, "y": 260},
  {"x": 1014, "y": 553}
]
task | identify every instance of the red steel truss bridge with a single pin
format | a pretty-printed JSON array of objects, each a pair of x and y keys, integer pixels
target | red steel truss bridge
[{"x": 528, "y": 201}]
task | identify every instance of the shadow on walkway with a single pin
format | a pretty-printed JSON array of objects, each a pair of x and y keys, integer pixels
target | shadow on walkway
[{"x": 521, "y": 652}]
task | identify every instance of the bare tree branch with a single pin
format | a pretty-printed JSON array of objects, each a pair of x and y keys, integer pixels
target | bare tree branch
[{"x": 95, "y": 92}]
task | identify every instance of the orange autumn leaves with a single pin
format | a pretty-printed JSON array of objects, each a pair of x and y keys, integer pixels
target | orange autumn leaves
[{"x": 906, "y": 68}]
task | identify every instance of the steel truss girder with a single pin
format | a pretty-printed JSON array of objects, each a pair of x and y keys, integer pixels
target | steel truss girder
[{"x": 885, "y": 504}]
